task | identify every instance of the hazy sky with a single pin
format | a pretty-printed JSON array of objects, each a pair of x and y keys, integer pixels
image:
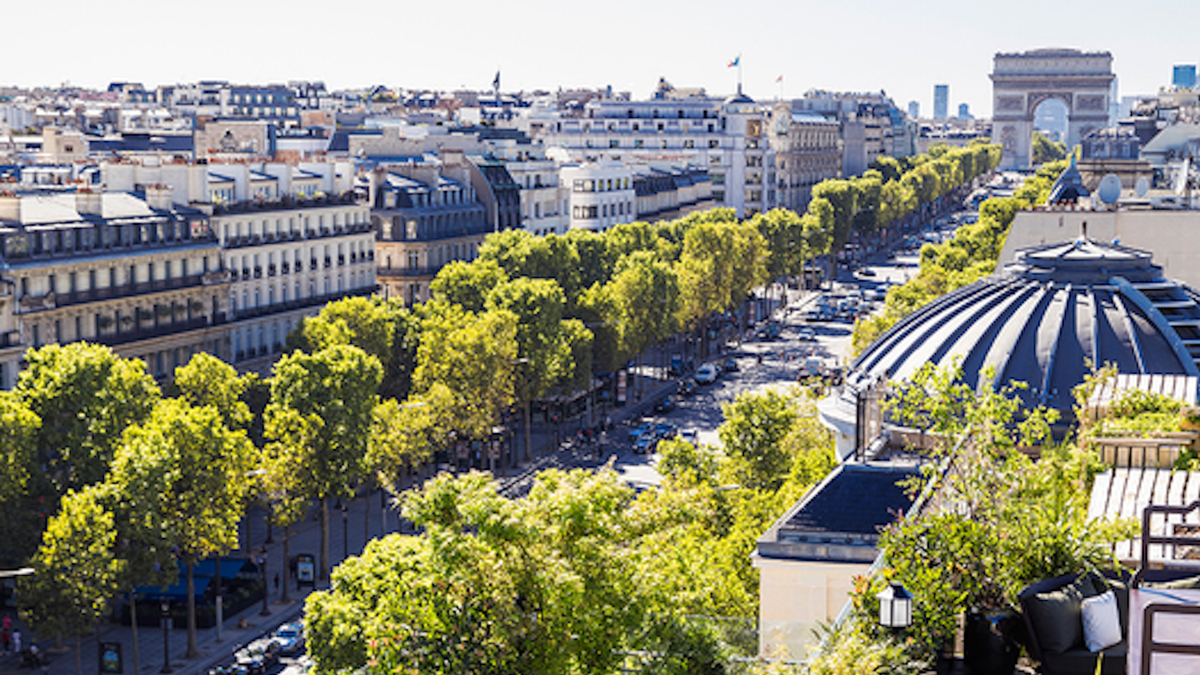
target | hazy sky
[{"x": 902, "y": 46}]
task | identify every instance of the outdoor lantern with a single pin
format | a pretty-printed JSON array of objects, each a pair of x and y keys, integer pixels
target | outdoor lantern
[{"x": 895, "y": 607}]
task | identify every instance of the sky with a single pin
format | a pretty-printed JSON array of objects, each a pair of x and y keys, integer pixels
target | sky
[{"x": 903, "y": 47}]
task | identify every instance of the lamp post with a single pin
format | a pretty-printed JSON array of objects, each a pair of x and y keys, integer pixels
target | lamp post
[
  {"x": 262, "y": 565},
  {"x": 895, "y": 607},
  {"x": 345, "y": 532},
  {"x": 166, "y": 621}
]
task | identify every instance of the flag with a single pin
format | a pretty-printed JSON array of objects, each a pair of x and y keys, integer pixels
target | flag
[
  {"x": 496, "y": 82},
  {"x": 779, "y": 79},
  {"x": 736, "y": 62}
]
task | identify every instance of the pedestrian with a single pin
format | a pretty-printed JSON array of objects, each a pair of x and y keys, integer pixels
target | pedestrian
[
  {"x": 4, "y": 639},
  {"x": 16, "y": 641}
]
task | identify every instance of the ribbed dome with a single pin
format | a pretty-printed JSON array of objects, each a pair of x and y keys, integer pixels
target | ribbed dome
[{"x": 1045, "y": 318}]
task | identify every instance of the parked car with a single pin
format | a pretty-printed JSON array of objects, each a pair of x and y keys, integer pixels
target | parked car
[
  {"x": 257, "y": 656},
  {"x": 730, "y": 365},
  {"x": 706, "y": 374},
  {"x": 645, "y": 444},
  {"x": 665, "y": 430},
  {"x": 664, "y": 405},
  {"x": 689, "y": 436},
  {"x": 806, "y": 335},
  {"x": 641, "y": 430},
  {"x": 290, "y": 638}
]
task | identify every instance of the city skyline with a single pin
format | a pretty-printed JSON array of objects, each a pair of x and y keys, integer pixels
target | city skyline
[{"x": 852, "y": 46}]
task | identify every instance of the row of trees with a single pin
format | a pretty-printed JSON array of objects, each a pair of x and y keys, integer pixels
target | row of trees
[
  {"x": 970, "y": 255},
  {"x": 582, "y": 570},
  {"x": 895, "y": 188},
  {"x": 370, "y": 389}
]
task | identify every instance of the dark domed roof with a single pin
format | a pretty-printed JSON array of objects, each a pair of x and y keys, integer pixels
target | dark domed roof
[
  {"x": 1045, "y": 319},
  {"x": 1069, "y": 186}
]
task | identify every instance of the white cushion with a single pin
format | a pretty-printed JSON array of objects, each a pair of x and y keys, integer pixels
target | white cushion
[{"x": 1101, "y": 621}]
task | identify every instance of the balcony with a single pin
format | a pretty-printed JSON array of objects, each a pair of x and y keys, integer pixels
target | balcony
[
  {"x": 328, "y": 262},
  {"x": 408, "y": 272},
  {"x": 145, "y": 333},
  {"x": 341, "y": 260},
  {"x": 52, "y": 300},
  {"x": 271, "y": 270}
]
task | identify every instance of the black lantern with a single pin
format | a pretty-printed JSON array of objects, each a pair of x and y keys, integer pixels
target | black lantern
[{"x": 895, "y": 607}]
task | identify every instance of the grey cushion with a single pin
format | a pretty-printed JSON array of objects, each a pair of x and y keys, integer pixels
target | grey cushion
[
  {"x": 1056, "y": 616},
  {"x": 1082, "y": 662}
]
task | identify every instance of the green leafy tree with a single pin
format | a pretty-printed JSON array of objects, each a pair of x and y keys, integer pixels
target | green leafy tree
[
  {"x": 544, "y": 353},
  {"x": 20, "y": 480},
  {"x": 646, "y": 293},
  {"x": 492, "y": 585},
  {"x": 752, "y": 434},
  {"x": 75, "y": 572},
  {"x": 194, "y": 470},
  {"x": 721, "y": 262},
  {"x": 466, "y": 364},
  {"x": 207, "y": 380},
  {"x": 467, "y": 283},
  {"x": 841, "y": 195},
  {"x": 336, "y": 385},
  {"x": 86, "y": 396},
  {"x": 1046, "y": 150}
]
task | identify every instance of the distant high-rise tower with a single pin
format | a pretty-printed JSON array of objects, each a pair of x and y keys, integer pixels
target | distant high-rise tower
[
  {"x": 914, "y": 109},
  {"x": 1184, "y": 76},
  {"x": 964, "y": 111},
  {"x": 941, "y": 101}
]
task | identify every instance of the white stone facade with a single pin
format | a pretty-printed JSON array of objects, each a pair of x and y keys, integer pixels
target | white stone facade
[{"x": 602, "y": 195}]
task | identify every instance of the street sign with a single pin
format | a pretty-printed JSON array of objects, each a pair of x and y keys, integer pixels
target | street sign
[{"x": 306, "y": 569}]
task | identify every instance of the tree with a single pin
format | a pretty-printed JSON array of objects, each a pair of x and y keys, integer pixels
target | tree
[
  {"x": 207, "y": 380},
  {"x": 467, "y": 283},
  {"x": 20, "y": 480},
  {"x": 646, "y": 292},
  {"x": 543, "y": 350},
  {"x": 721, "y": 262},
  {"x": 540, "y": 585},
  {"x": 363, "y": 322},
  {"x": 86, "y": 396},
  {"x": 753, "y": 432},
  {"x": 403, "y": 434},
  {"x": 336, "y": 385},
  {"x": 841, "y": 195},
  {"x": 289, "y": 472},
  {"x": 1045, "y": 150},
  {"x": 75, "y": 573},
  {"x": 193, "y": 470}
]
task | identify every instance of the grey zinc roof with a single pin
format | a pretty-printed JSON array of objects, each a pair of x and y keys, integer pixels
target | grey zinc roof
[
  {"x": 840, "y": 519},
  {"x": 860, "y": 499},
  {"x": 1046, "y": 319}
]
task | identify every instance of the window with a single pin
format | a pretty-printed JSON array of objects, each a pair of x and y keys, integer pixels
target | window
[{"x": 712, "y": 143}]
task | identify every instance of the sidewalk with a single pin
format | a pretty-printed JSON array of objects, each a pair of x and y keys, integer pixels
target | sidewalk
[{"x": 306, "y": 538}]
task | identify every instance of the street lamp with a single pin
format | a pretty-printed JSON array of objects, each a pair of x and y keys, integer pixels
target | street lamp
[
  {"x": 166, "y": 625},
  {"x": 895, "y": 607},
  {"x": 345, "y": 532}
]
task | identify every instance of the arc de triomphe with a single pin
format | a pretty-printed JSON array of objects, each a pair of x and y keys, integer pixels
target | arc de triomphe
[{"x": 1020, "y": 82}]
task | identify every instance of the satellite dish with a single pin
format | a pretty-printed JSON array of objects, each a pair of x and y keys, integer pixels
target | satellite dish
[
  {"x": 1142, "y": 186},
  {"x": 1110, "y": 189}
]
